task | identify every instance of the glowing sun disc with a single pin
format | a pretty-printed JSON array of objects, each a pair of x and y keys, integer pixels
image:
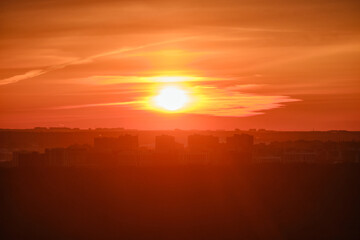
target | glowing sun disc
[{"x": 171, "y": 98}]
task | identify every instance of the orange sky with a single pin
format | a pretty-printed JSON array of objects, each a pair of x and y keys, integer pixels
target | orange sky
[{"x": 275, "y": 64}]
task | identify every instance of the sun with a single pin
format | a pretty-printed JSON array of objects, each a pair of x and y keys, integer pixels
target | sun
[{"x": 171, "y": 98}]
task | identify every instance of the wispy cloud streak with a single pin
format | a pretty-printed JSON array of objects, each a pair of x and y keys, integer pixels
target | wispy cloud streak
[
  {"x": 96, "y": 105},
  {"x": 39, "y": 72}
]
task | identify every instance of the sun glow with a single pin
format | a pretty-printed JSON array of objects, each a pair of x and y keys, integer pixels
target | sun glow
[
  {"x": 174, "y": 94},
  {"x": 171, "y": 98}
]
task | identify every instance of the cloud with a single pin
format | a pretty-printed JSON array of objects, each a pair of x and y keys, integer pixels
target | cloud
[
  {"x": 108, "y": 80},
  {"x": 27, "y": 75},
  {"x": 39, "y": 72},
  {"x": 232, "y": 103},
  {"x": 211, "y": 101},
  {"x": 96, "y": 105}
]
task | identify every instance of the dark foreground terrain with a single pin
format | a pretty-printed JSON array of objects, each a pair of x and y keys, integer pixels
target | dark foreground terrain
[{"x": 243, "y": 202}]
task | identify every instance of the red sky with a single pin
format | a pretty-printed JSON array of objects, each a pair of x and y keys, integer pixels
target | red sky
[{"x": 275, "y": 64}]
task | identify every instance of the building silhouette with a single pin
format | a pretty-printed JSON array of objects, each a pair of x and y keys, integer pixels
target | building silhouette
[
  {"x": 240, "y": 142},
  {"x": 112, "y": 144},
  {"x": 166, "y": 143},
  {"x": 124, "y": 150},
  {"x": 29, "y": 159},
  {"x": 239, "y": 147},
  {"x": 203, "y": 143}
]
